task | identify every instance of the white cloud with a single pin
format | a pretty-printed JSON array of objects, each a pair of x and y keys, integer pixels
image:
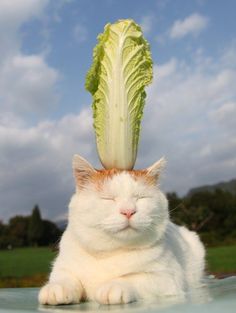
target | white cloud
[
  {"x": 225, "y": 115},
  {"x": 165, "y": 70},
  {"x": 36, "y": 163},
  {"x": 191, "y": 25},
  {"x": 13, "y": 13},
  {"x": 27, "y": 82},
  {"x": 190, "y": 118},
  {"x": 146, "y": 23},
  {"x": 80, "y": 33}
]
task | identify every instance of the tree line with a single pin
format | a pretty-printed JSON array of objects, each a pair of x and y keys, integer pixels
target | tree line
[
  {"x": 23, "y": 231},
  {"x": 211, "y": 213}
]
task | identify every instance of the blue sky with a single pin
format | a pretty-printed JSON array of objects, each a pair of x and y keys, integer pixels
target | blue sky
[
  {"x": 45, "y": 112},
  {"x": 69, "y": 30}
]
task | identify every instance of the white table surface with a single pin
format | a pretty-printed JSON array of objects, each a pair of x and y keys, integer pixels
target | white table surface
[{"x": 219, "y": 296}]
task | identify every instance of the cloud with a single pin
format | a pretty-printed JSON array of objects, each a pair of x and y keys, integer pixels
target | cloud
[
  {"x": 225, "y": 115},
  {"x": 191, "y": 25},
  {"x": 36, "y": 163},
  {"x": 57, "y": 7},
  {"x": 80, "y": 33},
  {"x": 189, "y": 118},
  {"x": 27, "y": 82},
  {"x": 146, "y": 23},
  {"x": 161, "y": 4},
  {"x": 13, "y": 13}
]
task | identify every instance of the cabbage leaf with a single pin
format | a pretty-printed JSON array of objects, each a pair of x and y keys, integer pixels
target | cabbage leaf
[{"x": 122, "y": 67}]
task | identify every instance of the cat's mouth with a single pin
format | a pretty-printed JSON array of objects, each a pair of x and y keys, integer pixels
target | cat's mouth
[
  {"x": 128, "y": 226},
  {"x": 120, "y": 228}
]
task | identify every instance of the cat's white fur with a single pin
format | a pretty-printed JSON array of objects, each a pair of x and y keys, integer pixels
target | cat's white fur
[{"x": 103, "y": 259}]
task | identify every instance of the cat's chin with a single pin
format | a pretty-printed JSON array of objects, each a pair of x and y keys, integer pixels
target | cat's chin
[
  {"x": 128, "y": 234},
  {"x": 125, "y": 229},
  {"x": 126, "y": 237}
]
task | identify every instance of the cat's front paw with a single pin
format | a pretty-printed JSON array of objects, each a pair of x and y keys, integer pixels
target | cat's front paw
[
  {"x": 59, "y": 293},
  {"x": 115, "y": 293}
]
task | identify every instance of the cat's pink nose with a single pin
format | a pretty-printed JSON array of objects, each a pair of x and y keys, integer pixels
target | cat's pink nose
[{"x": 128, "y": 212}]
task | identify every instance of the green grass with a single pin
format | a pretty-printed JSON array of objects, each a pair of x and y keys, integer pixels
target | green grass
[
  {"x": 222, "y": 259},
  {"x": 25, "y": 261},
  {"x": 29, "y": 267}
]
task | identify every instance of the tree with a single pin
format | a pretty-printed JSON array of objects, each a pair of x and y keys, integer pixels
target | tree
[
  {"x": 51, "y": 233},
  {"x": 35, "y": 229},
  {"x": 4, "y": 239},
  {"x": 2, "y": 228},
  {"x": 18, "y": 229}
]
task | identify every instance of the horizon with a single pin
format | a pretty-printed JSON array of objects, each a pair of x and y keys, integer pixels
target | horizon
[
  {"x": 65, "y": 218},
  {"x": 46, "y": 117}
]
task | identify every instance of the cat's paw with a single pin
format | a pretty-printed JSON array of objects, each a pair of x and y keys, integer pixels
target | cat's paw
[
  {"x": 59, "y": 293},
  {"x": 115, "y": 293}
]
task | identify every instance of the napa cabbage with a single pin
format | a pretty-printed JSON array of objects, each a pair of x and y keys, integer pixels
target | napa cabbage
[{"x": 121, "y": 68}]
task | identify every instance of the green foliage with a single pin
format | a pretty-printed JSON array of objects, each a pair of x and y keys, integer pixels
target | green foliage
[
  {"x": 35, "y": 229},
  {"x": 51, "y": 233},
  {"x": 18, "y": 229},
  {"x": 211, "y": 213},
  {"x": 31, "y": 230}
]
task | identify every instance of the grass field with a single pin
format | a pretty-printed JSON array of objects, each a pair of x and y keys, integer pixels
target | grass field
[
  {"x": 29, "y": 267},
  {"x": 222, "y": 259},
  {"x": 25, "y": 267},
  {"x": 25, "y": 261}
]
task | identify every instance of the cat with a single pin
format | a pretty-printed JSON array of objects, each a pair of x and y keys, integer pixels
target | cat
[{"x": 120, "y": 245}]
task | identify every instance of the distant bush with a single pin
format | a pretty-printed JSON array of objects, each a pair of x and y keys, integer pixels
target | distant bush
[
  {"x": 22, "y": 231},
  {"x": 211, "y": 213}
]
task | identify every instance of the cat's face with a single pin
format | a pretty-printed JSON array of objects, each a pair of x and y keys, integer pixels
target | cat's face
[{"x": 120, "y": 208}]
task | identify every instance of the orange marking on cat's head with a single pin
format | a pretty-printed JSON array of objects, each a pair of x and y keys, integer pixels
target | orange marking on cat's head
[
  {"x": 102, "y": 175},
  {"x": 85, "y": 173},
  {"x": 99, "y": 176}
]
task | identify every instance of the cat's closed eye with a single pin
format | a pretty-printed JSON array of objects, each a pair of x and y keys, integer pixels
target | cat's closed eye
[
  {"x": 108, "y": 198},
  {"x": 142, "y": 197}
]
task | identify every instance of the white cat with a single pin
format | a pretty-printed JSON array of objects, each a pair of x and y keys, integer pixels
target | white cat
[{"x": 120, "y": 245}]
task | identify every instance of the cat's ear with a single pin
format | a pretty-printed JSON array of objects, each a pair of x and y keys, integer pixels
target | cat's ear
[
  {"x": 156, "y": 169},
  {"x": 82, "y": 169}
]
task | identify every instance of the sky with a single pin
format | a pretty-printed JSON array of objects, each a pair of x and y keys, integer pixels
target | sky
[{"x": 45, "y": 112}]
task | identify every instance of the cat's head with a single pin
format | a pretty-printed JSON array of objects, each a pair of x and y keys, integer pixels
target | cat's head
[{"x": 114, "y": 209}]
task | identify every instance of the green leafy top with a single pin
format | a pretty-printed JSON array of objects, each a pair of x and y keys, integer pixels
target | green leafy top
[{"x": 122, "y": 67}]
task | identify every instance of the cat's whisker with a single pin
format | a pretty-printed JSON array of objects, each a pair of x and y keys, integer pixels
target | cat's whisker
[
  {"x": 172, "y": 210},
  {"x": 156, "y": 215}
]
